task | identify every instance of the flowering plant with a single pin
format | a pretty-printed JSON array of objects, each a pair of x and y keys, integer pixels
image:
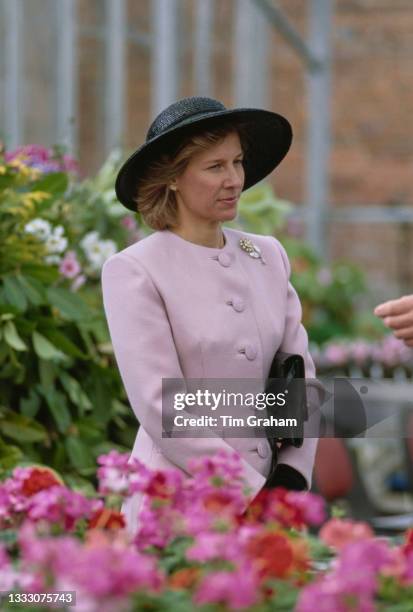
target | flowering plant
[
  {"x": 199, "y": 543},
  {"x": 385, "y": 358},
  {"x": 52, "y": 328}
]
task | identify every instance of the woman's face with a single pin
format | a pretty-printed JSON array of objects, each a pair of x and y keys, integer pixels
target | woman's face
[{"x": 209, "y": 188}]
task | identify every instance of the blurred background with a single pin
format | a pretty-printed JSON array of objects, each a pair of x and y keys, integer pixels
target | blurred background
[{"x": 81, "y": 80}]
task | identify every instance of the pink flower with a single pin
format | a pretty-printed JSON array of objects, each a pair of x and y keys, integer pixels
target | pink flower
[
  {"x": 329, "y": 594},
  {"x": 368, "y": 554},
  {"x": 210, "y": 546},
  {"x": 98, "y": 569},
  {"x": 354, "y": 579},
  {"x": 336, "y": 354},
  {"x": 117, "y": 571},
  {"x": 129, "y": 223},
  {"x": 78, "y": 282},
  {"x": 312, "y": 506},
  {"x": 238, "y": 589},
  {"x": 360, "y": 351},
  {"x": 61, "y": 505},
  {"x": 69, "y": 266},
  {"x": 43, "y": 158},
  {"x": 339, "y": 532}
]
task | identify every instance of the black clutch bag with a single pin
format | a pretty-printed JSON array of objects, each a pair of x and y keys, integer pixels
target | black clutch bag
[{"x": 289, "y": 368}]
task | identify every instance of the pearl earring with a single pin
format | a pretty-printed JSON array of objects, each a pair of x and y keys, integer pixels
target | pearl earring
[{"x": 173, "y": 187}]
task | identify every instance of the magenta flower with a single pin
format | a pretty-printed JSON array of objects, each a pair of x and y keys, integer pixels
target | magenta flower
[
  {"x": 311, "y": 506},
  {"x": 210, "y": 546},
  {"x": 117, "y": 571},
  {"x": 98, "y": 569},
  {"x": 61, "y": 505},
  {"x": 367, "y": 553},
  {"x": 121, "y": 475},
  {"x": 238, "y": 589},
  {"x": 42, "y": 158},
  {"x": 354, "y": 579},
  {"x": 328, "y": 595}
]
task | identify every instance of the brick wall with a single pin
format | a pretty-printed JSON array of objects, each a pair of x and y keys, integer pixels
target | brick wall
[{"x": 372, "y": 100}]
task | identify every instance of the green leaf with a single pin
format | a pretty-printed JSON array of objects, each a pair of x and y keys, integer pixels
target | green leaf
[
  {"x": 75, "y": 392},
  {"x": 63, "y": 343},
  {"x": 9, "y": 537},
  {"x": 33, "y": 289},
  {"x": 54, "y": 183},
  {"x": 45, "y": 349},
  {"x": 90, "y": 431},
  {"x": 70, "y": 305},
  {"x": 22, "y": 428},
  {"x": 13, "y": 293},
  {"x": 80, "y": 485},
  {"x": 29, "y": 406},
  {"x": 42, "y": 273},
  {"x": 12, "y": 337},
  {"x": 79, "y": 454},
  {"x": 57, "y": 404},
  {"x": 47, "y": 373},
  {"x": 10, "y": 456}
]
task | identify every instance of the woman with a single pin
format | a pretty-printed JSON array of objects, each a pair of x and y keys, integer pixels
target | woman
[{"x": 194, "y": 300}]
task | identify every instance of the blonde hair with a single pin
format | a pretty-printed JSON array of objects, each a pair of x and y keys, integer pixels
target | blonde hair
[{"x": 155, "y": 201}]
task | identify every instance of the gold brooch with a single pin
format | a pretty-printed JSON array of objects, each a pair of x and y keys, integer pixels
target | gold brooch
[{"x": 252, "y": 249}]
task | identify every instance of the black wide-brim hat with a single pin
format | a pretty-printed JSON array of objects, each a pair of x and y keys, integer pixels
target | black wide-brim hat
[{"x": 269, "y": 139}]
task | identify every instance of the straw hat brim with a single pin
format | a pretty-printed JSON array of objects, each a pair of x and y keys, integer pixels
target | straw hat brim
[{"x": 269, "y": 139}]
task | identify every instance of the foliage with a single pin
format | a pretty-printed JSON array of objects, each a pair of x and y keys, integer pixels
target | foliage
[{"x": 61, "y": 398}]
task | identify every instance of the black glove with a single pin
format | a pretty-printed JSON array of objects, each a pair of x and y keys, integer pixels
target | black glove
[{"x": 287, "y": 477}]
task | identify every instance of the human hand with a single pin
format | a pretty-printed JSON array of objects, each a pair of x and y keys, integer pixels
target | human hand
[{"x": 398, "y": 316}]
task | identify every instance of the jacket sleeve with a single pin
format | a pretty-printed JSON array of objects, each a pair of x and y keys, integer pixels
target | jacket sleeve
[
  {"x": 145, "y": 353},
  {"x": 295, "y": 340}
]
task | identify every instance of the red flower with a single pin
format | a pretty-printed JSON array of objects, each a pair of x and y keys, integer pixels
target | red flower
[
  {"x": 38, "y": 480},
  {"x": 184, "y": 578},
  {"x": 105, "y": 518},
  {"x": 272, "y": 554},
  {"x": 218, "y": 501},
  {"x": 274, "y": 504},
  {"x": 407, "y": 547},
  {"x": 158, "y": 486}
]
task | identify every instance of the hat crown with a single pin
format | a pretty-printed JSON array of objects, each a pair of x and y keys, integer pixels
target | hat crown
[{"x": 180, "y": 111}]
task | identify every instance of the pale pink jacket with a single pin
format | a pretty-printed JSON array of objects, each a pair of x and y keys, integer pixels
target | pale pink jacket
[{"x": 179, "y": 310}]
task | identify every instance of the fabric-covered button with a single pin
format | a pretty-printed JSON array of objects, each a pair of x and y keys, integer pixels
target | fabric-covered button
[
  {"x": 263, "y": 449},
  {"x": 224, "y": 259},
  {"x": 249, "y": 350},
  {"x": 237, "y": 304}
]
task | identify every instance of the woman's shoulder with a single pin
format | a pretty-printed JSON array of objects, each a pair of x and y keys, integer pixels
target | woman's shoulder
[{"x": 142, "y": 251}]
